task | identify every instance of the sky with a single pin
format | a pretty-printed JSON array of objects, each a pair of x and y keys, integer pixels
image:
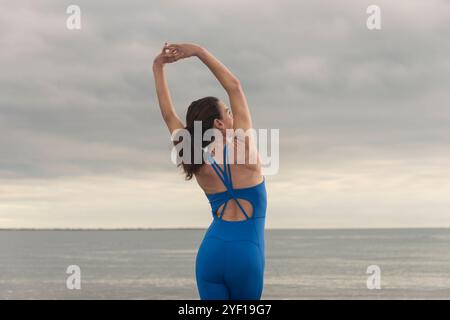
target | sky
[{"x": 363, "y": 115}]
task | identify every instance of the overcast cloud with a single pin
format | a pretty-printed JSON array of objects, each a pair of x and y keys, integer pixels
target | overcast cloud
[{"x": 363, "y": 115}]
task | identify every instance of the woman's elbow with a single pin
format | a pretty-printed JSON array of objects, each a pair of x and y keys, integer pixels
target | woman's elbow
[{"x": 234, "y": 85}]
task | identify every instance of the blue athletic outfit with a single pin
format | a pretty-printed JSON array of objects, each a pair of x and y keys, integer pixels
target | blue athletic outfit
[{"x": 231, "y": 258}]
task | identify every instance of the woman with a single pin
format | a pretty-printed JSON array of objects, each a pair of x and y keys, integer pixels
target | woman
[{"x": 230, "y": 261}]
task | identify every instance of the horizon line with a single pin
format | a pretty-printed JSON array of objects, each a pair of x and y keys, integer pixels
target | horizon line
[{"x": 200, "y": 228}]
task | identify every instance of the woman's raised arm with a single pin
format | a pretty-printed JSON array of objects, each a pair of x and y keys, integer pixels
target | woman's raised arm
[
  {"x": 168, "y": 112},
  {"x": 231, "y": 84}
]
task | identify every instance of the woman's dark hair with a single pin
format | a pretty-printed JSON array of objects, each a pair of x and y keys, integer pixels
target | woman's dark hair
[{"x": 205, "y": 110}]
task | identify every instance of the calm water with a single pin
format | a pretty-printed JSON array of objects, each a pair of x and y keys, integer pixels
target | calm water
[{"x": 159, "y": 264}]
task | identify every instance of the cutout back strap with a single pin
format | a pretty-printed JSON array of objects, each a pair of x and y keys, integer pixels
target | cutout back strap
[{"x": 225, "y": 176}]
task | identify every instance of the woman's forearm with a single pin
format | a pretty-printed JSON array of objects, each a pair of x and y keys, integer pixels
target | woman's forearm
[
  {"x": 220, "y": 71},
  {"x": 162, "y": 90},
  {"x": 165, "y": 101}
]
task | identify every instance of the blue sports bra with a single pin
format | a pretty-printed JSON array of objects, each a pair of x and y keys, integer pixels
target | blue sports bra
[{"x": 256, "y": 194}]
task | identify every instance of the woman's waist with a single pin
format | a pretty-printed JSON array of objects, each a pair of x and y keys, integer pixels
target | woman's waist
[
  {"x": 244, "y": 230},
  {"x": 234, "y": 213}
]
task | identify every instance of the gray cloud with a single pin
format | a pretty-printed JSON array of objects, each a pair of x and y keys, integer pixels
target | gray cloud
[{"x": 77, "y": 103}]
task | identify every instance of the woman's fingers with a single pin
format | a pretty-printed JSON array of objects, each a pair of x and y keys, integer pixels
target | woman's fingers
[
  {"x": 175, "y": 53},
  {"x": 168, "y": 48},
  {"x": 171, "y": 52},
  {"x": 173, "y": 47},
  {"x": 172, "y": 57},
  {"x": 175, "y": 57}
]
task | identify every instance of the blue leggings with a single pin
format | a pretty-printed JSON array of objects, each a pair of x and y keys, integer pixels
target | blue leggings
[{"x": 229, "y": 270}]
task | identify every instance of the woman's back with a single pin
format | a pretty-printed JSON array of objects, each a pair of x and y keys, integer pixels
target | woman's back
[{"x": 243, "y": 176}]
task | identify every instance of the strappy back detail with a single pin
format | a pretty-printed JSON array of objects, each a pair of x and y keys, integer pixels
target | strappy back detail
[{"x": 225, "y": 176}]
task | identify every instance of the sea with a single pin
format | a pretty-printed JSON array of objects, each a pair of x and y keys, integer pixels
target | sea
[{"x": 160, "y": 264}]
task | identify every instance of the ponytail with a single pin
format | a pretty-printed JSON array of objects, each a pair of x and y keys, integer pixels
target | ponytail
[{"x": 205, "y": 110}]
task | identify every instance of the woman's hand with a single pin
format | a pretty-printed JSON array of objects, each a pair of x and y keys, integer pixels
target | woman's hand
[
  {"x": 176, "y": 51},
  {"x": 165, "y": 56},
  {"x": 183, "y": 50}
]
